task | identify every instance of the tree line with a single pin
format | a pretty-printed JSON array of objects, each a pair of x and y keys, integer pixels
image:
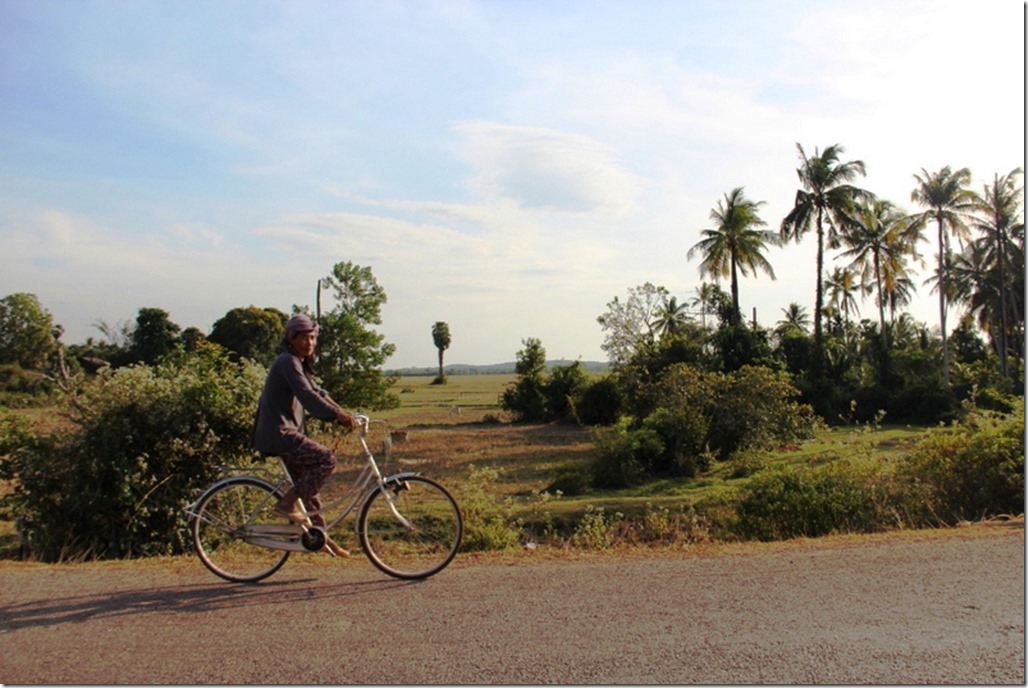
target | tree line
[
  {"x": 350, "y": 353},
  {"x": 878, "y": 244}
]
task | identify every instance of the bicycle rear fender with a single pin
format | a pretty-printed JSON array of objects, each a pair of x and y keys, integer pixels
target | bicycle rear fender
[{"x": 190, "y": 509}]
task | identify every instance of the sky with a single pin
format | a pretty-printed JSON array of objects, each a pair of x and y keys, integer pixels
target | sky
[{"x": 507, "y": 167}]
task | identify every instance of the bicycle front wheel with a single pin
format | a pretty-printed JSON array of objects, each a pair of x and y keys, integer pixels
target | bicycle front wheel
[
  {"x": 417, "y": 540},
  {"x": 228, "y": 521}
]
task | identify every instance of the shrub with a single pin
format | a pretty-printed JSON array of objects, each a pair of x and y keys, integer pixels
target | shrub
[
  {"x": 600, "y": 403},
  {"x": 489, "y": 523},
  {"x": 662, "y": 525},
  {"x": 597, "y": 530},
  {"x": 562, "y": 387},
  {"x": 754, "y": 408},
  {"x": 625, "y": 456},
  {"x": 146, "y": 440},
  {"x": 808, "y": 502},
  {"x": 970, "y": 471},
  {"x": 682, "y": 431}
]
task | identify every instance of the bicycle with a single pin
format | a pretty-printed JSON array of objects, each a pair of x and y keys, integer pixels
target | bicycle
[{"x": 408, "y": 525}]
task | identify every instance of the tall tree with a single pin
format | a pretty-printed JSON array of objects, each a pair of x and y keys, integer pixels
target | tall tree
[
  {"x": 824, "y": 203},
  {"x": 155, "y": 335},
  {"x": 351, "y": 352},
  {"x": 628, "y": 324},
  {"x": 441, "y": 338},
  {"x": 708, "y": 295},
  {"x": 795, "y": 318},
  {"x": 27, "y": 333},
  {"x": 734, "y": 245},
  {"x": 999, "y": 221},
  {"x": 948, "y": 200},
  {"x": 251, "y": 332},
  {"x": 842, "y": 287},
  {"x": 878, "y": 243}
]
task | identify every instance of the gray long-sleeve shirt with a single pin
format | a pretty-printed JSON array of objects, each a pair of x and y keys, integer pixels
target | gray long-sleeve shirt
[{"x": 280, "y": 413}]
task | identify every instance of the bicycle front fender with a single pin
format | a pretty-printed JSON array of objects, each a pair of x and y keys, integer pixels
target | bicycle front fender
[{"x": 399, "y": 476}]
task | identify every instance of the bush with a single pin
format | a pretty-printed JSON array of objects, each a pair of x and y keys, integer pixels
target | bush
[
  {"x": 562, "y": 387},
  {"x": 600, "y": 403},
  {"x": 146, "y": 440},
  {"x": 625, "y": 456},
  {"x": 754, "y": 408},
  {"x": 808, "y": 502},
  {"x": 971, "y": 471},
  {"x": 489, "y": 523},
  {"x": 597, "y": 530}
]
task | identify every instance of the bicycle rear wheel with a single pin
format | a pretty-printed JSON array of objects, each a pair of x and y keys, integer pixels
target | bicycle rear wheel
[
  {"x": 421, "y": 549},
  {"x": 223, "y": 530}
]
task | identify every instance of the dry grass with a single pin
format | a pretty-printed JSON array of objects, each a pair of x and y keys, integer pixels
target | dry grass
[{"x": 444, "y": 442}]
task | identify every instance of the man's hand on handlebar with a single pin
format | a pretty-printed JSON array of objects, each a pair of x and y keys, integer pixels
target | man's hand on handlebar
[{"x": 347, "y": 420}]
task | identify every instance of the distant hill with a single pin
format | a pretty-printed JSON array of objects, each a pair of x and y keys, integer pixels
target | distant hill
[{"x": 490, "y": 369}]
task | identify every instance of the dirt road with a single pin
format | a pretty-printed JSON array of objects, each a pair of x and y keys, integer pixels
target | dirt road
[{"x": 934, "y": 607}]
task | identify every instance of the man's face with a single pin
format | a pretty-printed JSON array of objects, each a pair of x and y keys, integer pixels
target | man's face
[{"x": 303, "y": 343}]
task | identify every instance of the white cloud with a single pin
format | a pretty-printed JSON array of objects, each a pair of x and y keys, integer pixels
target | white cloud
[{"x": 545, "y": 169}]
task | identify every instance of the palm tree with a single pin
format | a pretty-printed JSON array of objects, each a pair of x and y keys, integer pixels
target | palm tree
[
  {"x": 946, "y": 195},
  {"x": 670, "y": 318},
  {"x": 441, "y": 339},
  {"x": 734, "y": 245},
  {"x": 879, "y": 243},
  {"x": 795, "y": 319},
  {"x": 901, "y": 293},
  {"x": 999, "y": 222},
  {"x": 824, "y": 203},
  {"x": 842, "y": 287},
  {"x": 706, "y": 299}
]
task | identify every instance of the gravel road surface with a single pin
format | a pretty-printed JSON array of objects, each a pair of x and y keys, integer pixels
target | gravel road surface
[{"x": 927, "y": 607}]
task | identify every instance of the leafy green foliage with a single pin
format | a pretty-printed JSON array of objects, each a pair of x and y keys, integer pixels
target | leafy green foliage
[
  {"x": 145, "y": 440},
  {"x": 625, "y": 456},
  {"x": 155, "y": 335},
  {"x": 597, "y": 529},
  {"x": 489, "y": 524},
  {"x": 600, "y": 402},
  {"x": 27, "y": 335},
  {"x": 970, "y": 471},
  {"x": 350, "y": 352},
  {"x": 692, "y": 417},
  {"x": 793, "y": 502},
  {"x": 251, "y": 332},
  {"x": 525, "y": 399}
]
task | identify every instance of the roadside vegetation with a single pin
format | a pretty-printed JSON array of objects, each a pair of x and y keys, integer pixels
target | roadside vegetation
[{"x": 521, "y": 485}]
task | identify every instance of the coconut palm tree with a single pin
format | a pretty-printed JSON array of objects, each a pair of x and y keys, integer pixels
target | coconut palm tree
[
  {"x": 735, "y": 245},
  {"x": 671, "y": 318},
  {"x": 795, "y": 318},
  {"x": 842, "y": 287},
  {"x": 707, "y": 297},
  {"x": 879, "y": 243},
  {"x": 999, "y": 222},
  {"x": 901, "y": 294},
  {"x": 824, "y": 203},
  {"x": 948, "y": 200}
]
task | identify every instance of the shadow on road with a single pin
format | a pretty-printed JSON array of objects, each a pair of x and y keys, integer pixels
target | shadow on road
[{"x": 203, "y": 597}]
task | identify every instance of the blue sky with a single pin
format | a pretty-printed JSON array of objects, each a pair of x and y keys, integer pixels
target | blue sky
[{"x": 508, "y": 167}]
